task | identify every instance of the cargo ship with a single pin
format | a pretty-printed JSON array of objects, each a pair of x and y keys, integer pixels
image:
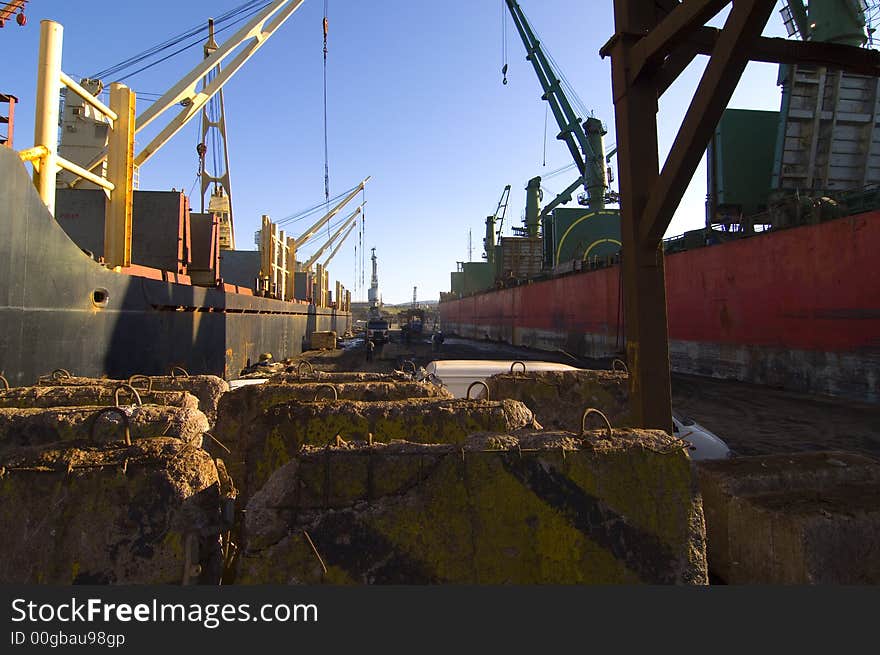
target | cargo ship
[
  {"x": 158, "y": 285},
  {"x": 781, "y": 286}
]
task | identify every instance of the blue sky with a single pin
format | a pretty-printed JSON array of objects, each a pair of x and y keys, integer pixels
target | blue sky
[{"x": 415, "y": 99}]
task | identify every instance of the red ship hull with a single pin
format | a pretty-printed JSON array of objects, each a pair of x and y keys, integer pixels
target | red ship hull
[{"x": 796, "y": 308}]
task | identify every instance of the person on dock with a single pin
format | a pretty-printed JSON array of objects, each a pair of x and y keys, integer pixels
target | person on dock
[
  {"x": 438, "y": 340},
  {"x": 370, "y": 348}
]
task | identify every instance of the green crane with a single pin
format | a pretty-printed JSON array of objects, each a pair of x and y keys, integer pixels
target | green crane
[
  {"x": 584, "y": 139},
  {"x": 836, "y": 21}
]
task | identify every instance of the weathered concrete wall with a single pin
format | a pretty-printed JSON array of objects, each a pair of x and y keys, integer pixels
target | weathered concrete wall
[
  {"x": 793, "y": 519},
  {"x": 542, "y": 508},
  {"x": 109, "y": 515},
  {"x": 94, "y": 395},
  {"x": 242, "y": 406},
  {"x": 559, "y": 398},
  {"x": 207, "y": 388},
  {"x": 271, "y": 440},
  {"x": 42, "y": 426}
]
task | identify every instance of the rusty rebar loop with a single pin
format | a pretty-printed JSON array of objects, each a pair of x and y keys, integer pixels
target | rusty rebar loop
[
  {"x": 175, "y": 369},
  {"x": 521, "y": 363},
  {"x": 593, "y": 410},
  {"x": 315, "y": 551},
  {"x": 411, "y": 363},
  {"x": 112, "y": 410},
  {"x": 614, "y": 365},
  {"x": 5, "y": 383},
  {"x": 299, "y": 368},
  {"x": 137, "y": 378},
  {"x": 129, "y": 388},
  {"x": 60, "y": 374},
  {"x": 326, "y": 386},
  {"x": 474, "y": 384}
]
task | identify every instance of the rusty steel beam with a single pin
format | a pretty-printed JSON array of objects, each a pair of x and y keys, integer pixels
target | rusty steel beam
[
  {"x": 859, "y": 61},
  {"x": 673, "y": 66},
  {"x": 643, "y": 65},
  {"x": 677, "y": 25},
  {"x": 635, "y": 115},
  {"x": 725, "y": 68}
]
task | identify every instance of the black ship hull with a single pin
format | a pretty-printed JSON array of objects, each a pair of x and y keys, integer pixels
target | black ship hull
[{"x": 61, "y": 309}]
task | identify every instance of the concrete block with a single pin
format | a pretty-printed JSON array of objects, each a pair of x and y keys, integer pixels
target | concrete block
[
  {"x": 241, "y": 407},
  {"x": 559, "y": 398},
  {"x": 536, "y": 508},
  {"x": 280, "y": 432},
  {"x": 43, "y": 426},
  {"x": 323, "y": 340},
  {"x": 806, "y": 537},
  {"x": 94, "y": 395},
  {"x": 293, "y": 376},
  {"x": 109, "y": 514},
  {"x": 725, "y": 484},
  {"x": 207, "y": 388}
]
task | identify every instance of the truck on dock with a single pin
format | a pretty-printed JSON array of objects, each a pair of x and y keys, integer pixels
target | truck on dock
[{"x": 377, "y": 329}]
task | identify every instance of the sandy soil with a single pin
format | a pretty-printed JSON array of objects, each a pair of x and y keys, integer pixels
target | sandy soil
[{"x": 753, "y": 420}]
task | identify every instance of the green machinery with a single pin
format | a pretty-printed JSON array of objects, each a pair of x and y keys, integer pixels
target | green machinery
[
  {"x": 569, "y": 234},
  {"x": 584, "y": 140},
  {"x": 810, "y": 161}
]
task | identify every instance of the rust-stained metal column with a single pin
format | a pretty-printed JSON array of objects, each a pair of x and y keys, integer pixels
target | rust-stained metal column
[
  {"x": 635, "y": 111},
  {"x": 649, "y": 49}
]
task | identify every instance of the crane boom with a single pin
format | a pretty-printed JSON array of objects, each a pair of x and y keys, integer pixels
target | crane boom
[
  {"x": 348, "y": 221},
  {"x": 257, "y": 31},
  {"x": 254, "y": 34},
  {"x": 582, "y": 139},
  {"x": 308, "y": 234},
  {"x": 339, "y": 245}
]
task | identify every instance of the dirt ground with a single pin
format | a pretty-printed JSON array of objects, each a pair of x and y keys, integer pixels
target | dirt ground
[{"x": 752, "y": 420}]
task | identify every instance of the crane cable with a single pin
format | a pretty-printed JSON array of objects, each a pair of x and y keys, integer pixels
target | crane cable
[
  {"x": 326, "y": 157},
  {"x": 503, "y": 43}
]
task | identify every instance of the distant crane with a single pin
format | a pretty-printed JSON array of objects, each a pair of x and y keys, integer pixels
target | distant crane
[
  {"x": 491, "y": 235},
  {"x": 373, "y": 293},
  {"x": 584, "y": 139}
]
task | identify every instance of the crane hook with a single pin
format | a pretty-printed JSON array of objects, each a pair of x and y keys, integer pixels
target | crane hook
[{"x": 504, "y": 73}]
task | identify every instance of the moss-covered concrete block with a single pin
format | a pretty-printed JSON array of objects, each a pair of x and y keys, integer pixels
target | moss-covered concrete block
[
  {"x": 277, "y": 435},
  {"x": 109, "y": 515},
  {"x": 796, "y": 477},
  {"x": 241, "y": 407},
  {"x": 537, "y": 508},
  {"x": 559, "y": 398}
]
